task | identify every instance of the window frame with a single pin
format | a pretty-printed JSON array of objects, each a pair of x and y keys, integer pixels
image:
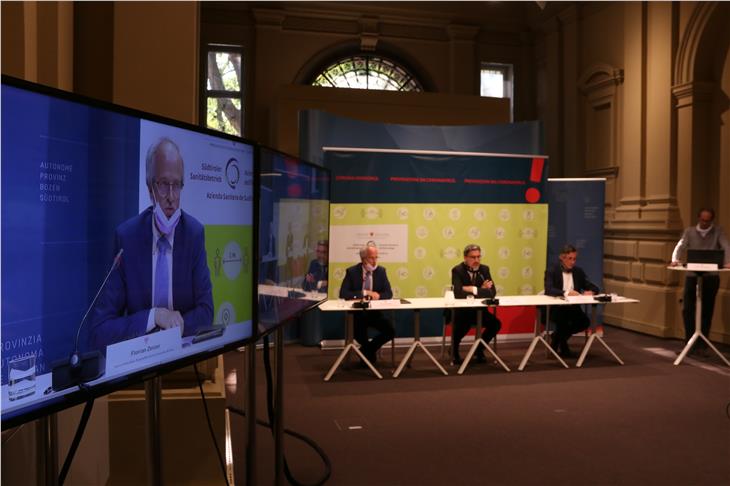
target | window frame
[
  {"x": 207, "y": 94},
  {"x": 409, "y": 73},
  {"x": 508, "y": 81}
]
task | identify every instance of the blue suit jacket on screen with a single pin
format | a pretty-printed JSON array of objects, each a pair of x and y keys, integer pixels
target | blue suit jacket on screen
[
  {"x": 352, "y": 284},
  {"x": 124, "y": 305}
]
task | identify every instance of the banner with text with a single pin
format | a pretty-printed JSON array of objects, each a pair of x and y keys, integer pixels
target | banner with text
[{"x": 421, "y": 211}]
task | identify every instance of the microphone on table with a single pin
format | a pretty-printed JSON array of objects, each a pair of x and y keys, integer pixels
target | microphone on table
[{"x": 80, "y": 368}]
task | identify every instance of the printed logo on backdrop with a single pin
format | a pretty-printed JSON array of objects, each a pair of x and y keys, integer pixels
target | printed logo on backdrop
[{"x": 346, "y": 241}]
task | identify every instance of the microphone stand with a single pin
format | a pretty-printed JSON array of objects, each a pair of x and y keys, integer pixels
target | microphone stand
[{"x": 80, "y": 368}]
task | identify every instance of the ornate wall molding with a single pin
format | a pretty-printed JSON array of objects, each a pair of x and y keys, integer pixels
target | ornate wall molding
[{"x": 684, "y": 65}]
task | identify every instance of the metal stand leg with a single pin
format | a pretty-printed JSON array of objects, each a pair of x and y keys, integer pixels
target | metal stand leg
[
  {"x": 350, "y": 346},
  {"x": 47, "y": 450},
  {"x": 477, "y": 341},
  {"x": 539, "y": 338},
  {"x": 279, "y": 410},
  {"x": 416, "y": 344},
  {"x": 698, "y": 328},
  {"x": 251, "y": 413},
  {"x": 153, "y": 398},
  {"x": 592, "y": 338}
]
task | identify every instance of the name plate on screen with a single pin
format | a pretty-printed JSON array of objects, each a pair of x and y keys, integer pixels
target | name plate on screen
[
  {"x": 702, "y": 267},
  {"x": 142, "y": 351}
]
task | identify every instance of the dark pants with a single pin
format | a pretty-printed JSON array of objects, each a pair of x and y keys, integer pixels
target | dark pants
[
  {"x": 710, "y": 284},
  {"x": 375, "y": 319},
  {"x": 568, "y": 319},
  {"x": 464, "y": 319}
]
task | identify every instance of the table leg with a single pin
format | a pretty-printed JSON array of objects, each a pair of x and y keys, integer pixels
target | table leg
[
  {"x": 350, "y": 346},
  {"x": 590, "y": 340},
  {"x": 416, "y": 344},
  {"x": 539, "y": 339},
  {"x": 477, "y": 341},
  {"x": 698, "y": 328}
]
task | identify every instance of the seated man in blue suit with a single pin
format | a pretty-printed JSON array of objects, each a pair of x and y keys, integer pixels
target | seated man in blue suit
[
  {"x": 316, "y": 277},
  {"x": 564, "y": 279},
  {"x": 163, "y": 279},
  {"x": 367, "y": 280}
]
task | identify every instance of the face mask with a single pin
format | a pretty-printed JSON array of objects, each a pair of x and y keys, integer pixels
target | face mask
[
  {"x": 370, "y": 268},
  {"x": 164, "y": 224}
]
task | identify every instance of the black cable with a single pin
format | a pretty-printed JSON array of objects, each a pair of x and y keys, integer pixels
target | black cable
[
  {"x": 210, "y": 425},
  {"x": 310, "y": 442},
  {"x": 77, "y": 439},
  {"x": 270, "y": 410}
]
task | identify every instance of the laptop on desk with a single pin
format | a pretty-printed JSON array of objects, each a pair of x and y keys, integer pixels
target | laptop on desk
[{"x": 705, "y": 259}]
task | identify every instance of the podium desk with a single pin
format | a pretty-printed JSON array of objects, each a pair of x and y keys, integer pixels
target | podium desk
[{"x": 698, "y": 314}]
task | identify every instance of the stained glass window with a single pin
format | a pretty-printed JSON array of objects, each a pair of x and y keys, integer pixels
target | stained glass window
[{"x": 367, "y": 72}]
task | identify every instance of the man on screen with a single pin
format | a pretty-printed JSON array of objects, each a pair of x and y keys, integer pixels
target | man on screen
[
  {"x": 704, "y": 236},
  {"x": 472, "y": 279},
  {"x": 163, "y": 280},
  {"x": 368, "y": 281},
  {"x": 316, "y": 277},
  {"x": 565, "y": 279}
]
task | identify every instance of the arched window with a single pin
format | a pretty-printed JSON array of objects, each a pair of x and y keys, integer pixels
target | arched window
[{"x": 365, "y": 71}]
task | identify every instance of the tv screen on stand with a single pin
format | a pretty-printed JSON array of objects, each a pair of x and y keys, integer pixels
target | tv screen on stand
[{"x": 127, "y": 247}]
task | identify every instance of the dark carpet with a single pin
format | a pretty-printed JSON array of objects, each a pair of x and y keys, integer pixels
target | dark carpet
[{"x": 645, "y": 423}]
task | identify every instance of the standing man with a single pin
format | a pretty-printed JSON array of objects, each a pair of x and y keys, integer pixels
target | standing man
[
  {"x": 316, "y": 277},
  {"x": 163, "y": 279},
  {"x": 471, "y": 278},
  {"x": 704, "y": 236},
  {"x": 562, "y": 280},
  {"x": 368, "y": 281}
]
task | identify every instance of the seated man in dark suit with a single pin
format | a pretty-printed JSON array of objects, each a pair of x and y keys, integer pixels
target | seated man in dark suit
[
  {"x": 367, "y": 280},
  {"x": 316, "y": 277},
  {"x": 471, "y": 278},
  {"x": 163, "y": 279},
  {"x": 565, "y": 279}
]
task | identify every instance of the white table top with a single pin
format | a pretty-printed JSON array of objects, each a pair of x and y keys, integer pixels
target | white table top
[
  {"x": 681, "y": 268},
  {"x": 441, "y": 303}
]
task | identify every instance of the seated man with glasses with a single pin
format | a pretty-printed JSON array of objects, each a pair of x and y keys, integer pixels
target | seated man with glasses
[
  {"x": 367, "y": 280},
  {"x": 162, "y": 280},
  {"x": 472, "y": 279}
]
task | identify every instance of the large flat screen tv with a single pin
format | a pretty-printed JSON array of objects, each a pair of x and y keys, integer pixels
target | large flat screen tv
[
  {"x": 127, "y": 247},
  {"x": 293, "y": 237}
]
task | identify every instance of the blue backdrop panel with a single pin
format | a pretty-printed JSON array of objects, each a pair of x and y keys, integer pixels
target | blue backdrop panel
[
  {"x": 406, "y": 178},
  {"x": 576, "y": 216},
  {"x": 321, "y": 129},
  {"x": 54, "y": 222}
]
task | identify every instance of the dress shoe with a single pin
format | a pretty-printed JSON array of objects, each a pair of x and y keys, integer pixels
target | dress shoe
[
  {"x": 456, "y": 361},
  {"x": 480, "y": 358},
  {"x": 565, "y": 351}
]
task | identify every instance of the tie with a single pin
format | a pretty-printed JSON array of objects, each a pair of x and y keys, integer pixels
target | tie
[
  {"x": 368, "y": 284},
  {"x": 472, "y": 276},
  {"x": 162, "y": 275}
]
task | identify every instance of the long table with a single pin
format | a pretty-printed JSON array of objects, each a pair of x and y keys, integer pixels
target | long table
[{"x": 417, "y": 304}]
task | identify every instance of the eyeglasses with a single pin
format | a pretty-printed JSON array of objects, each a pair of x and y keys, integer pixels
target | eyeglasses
[{"x": 166, "y": 188}]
